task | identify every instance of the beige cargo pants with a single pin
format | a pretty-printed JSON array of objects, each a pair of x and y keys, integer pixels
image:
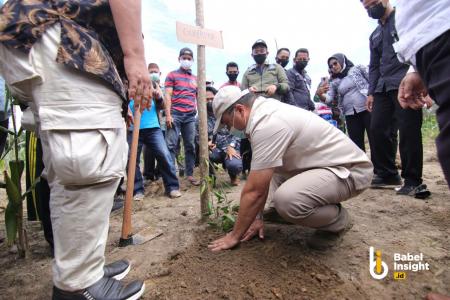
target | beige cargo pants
[{"x": 84, "y": 152}]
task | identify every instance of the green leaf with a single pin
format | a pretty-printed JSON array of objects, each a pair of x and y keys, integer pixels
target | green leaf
[
  {"x": 16, "y": 168},
  {"x": 10, "y": 223},
  {"x": 12, "y": 191},
  {"x": 218, "y": 195},
  {"x": 32, "y": 187},
  {"x": 3, "y": 129},
  {"x": 229, "y": 217},
  {"x": 203, "y": 188}
]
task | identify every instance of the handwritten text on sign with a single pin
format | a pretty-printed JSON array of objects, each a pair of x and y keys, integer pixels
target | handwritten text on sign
[{"x": 200, "y": 36}]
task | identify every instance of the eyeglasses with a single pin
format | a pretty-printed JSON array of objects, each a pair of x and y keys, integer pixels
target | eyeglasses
[{"x": 335, "y": 63}]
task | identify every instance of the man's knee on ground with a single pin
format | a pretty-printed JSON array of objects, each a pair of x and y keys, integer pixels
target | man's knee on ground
[{"x": 234, "y": 166}]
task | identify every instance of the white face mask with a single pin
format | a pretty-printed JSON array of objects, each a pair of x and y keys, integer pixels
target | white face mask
[
  {"x": 154, "y": 76},
  {"x": 236, "y": 132},
  {"x": 186, "y": 64}
]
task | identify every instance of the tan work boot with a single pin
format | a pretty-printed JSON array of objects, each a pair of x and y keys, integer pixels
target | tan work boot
[{"x": 323, "y": 240}]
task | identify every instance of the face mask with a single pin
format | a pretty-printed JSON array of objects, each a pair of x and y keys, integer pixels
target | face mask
[
  {"x": 377, "y": 11},
  {"x": 232, "y": 77},
  {"x": 301, "y": 65},
  {"x": 236, "y": 132},
  {"x": 209, "y": 108},
  {"x": 186, "y": 64},
  {"x": 282, "y": 62},
  {"x": 154, "y": 76},
  {"x": 260, "y": 58}
]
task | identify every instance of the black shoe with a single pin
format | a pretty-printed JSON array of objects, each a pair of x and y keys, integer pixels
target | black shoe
[
  {"x": 117, "y": 205},
  {"x": 420, "y": 191},
  {"x": 117, "y": 270},
  {"x": 104, "y": 289},
  {"x": 379, "y": 181}
]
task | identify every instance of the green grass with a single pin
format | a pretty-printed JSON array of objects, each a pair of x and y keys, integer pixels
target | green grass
[{"x": 430, "y": 128}]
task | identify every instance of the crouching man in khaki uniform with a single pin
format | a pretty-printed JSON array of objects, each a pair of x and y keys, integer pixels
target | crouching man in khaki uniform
[{"x": 304, "y": 166}]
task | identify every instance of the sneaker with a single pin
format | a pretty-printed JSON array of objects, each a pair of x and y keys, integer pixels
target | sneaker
[
  {"x": 193, "y": 181},
  {"x": 379, "y": 181},
  {"x": 175, "y": 194},
  {"x": 105, "y": 288},
  {"x": 117, "y": 205},
  {"x": 138, "y": 197},
  {"x": 117, "y": 270},
  {"x": 323, "y": 240},
  {"x": 420, "y": 191}
]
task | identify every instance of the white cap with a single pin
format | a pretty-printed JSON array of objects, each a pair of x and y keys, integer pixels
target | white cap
[{"x": 225, "y": 98}]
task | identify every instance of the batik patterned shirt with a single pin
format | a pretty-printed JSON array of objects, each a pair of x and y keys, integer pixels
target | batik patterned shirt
[{"x": 89, "y": 40}]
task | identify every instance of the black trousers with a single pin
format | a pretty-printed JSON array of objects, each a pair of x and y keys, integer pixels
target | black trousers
[
  {"x": 387, "y": 114},
  {"x": 3, "y": 136},
  {"x": 433, "y": 64},
  {"x": 38, "y": 202},
  {"x": 357, "y": 125},
  {"x": 246, "y": 154}
]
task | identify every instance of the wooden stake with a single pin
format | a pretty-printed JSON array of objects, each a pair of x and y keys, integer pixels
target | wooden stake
[{"x": 202, "y": 114}]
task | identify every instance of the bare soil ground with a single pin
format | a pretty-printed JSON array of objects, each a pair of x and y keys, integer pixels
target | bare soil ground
[{"x": 178, "y": 265}]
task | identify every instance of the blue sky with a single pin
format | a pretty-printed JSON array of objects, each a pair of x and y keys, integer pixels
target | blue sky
[{"x": 323, "y": 26}]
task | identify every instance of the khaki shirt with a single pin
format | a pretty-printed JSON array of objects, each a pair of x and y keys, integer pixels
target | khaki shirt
[{"x": 293, "y": 140}]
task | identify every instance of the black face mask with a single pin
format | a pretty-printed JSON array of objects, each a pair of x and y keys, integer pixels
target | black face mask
[
  {"x": 301, "y": 65},
  {"x": 260, "y": 58},
  {"x": 282, "y": 62},
  {"x": 377, "y": 11},
  {"x": 209, "y": 108},
  {"x": 232, "y": 77}
]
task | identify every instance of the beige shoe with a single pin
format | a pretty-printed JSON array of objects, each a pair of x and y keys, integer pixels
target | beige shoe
[
  {"x": 138, "y": 197},
  {"x": 175, "y": 194},
  {"x": 323, "y": 240}
]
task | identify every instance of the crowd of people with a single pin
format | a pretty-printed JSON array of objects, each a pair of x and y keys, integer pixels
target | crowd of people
[{"x": 300, "y": 152}]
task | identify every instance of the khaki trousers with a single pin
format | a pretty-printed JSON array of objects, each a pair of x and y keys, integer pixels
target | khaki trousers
[
  {"x": 84, "y": 153},
  {"x": 310, "y": 199}
]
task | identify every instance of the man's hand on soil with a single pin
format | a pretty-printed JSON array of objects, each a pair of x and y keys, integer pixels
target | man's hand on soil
[
  {"x": 257, "y": 227},
  {"x": 227, "y": 242}
]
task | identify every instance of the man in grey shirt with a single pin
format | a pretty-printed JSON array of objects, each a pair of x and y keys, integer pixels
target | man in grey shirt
[{"x": 299, "y": 81}]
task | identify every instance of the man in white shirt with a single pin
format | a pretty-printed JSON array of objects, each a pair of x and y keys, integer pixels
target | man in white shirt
[
  {"x": 303, "y": 165},
  {"x": 423, "y": 29}
]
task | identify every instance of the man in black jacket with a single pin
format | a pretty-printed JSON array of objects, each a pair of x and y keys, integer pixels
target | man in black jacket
[{"x": 385, "y": 74}]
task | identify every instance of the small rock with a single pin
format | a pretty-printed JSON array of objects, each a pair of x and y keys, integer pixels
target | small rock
[
  {"x": 183, "y": 285},
  {"x": 321, "y": 277},
  {"x": 277, "y": 293},
  {"x": 284, "y": 264},
  {"x": 304, "y": 290},
  {"x": 184, "y": 213},
  {"x": 163, "y": 272}
]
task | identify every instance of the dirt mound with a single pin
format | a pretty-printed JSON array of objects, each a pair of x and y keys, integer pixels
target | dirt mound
[{"x": 255, "y": 270}]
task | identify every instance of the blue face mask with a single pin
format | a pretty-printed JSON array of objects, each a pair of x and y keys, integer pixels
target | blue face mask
[
  {"x": 154, "y": 76},
  {"x": 236, "y": 132}
]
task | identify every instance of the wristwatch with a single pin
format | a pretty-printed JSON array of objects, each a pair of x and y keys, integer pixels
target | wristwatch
[{"x": 233, "y": 144}]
